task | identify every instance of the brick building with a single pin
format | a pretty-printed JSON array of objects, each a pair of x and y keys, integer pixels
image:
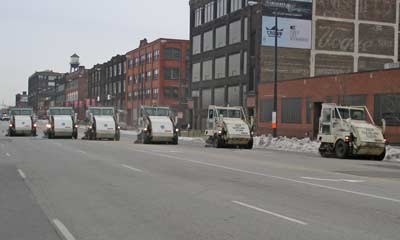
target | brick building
[
  {"x": 21, "y": 100},
  {"x": 157, "y": 75},
  {"x": 233, "y": 45},
  {"x": 41, "y": 91},
  {"x": 76, "y": 91},
  {"x": 106, "y": 85},
  {"x": 299, "y": 101}
]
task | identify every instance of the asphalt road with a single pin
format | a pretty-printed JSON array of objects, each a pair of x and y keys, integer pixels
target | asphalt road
[{"x": 102, "y": 190}]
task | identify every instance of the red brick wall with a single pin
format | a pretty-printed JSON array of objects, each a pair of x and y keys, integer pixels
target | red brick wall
[{"x": 319, "y": 88}]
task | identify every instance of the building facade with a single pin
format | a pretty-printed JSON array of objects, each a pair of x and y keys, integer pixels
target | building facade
[
  {"x": 76, "y": 90},
  {"x": 299, "y": 101},
  {"x": 106, "y": 85},
  {"x": 233, "y": 45},
  {"x": 41, "y": 91},
  {"x": 157, "y": 75},
  {"x": 21, "y": 100}
]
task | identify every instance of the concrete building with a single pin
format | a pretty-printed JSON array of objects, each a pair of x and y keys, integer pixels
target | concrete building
[
  {"x": 157, "y": 75},
  {"x": 233, "y": 45},
  {"x": 41, "y": 91},
  {"x": 21, "y": 100}
]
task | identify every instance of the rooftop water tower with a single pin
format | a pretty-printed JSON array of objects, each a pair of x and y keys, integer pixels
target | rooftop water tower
[{"x": 74, "y": 63}]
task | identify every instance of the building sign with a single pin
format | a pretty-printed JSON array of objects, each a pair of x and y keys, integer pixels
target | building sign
[
  {"x": 24, "y": 99},
  {"x": 292, "y": 33},
  {"x": 300, "y": 9}
]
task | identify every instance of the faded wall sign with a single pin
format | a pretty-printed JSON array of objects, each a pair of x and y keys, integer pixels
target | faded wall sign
[{"x": 334, "y": 36}]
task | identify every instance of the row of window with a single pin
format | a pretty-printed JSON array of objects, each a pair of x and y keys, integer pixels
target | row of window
[
  {"x": 207, "y": 41},
  {"x": 116, "y": 70},
  {"x": 216, "y": 9},
  {"x": 385, "y": 107},
  {"x": 216, "y": 69},
  {"x": 169, "y": 92},
  {"x": 150, "y": 75},
  {"x": 169, "y": 54},
  {"x": 220, "y": 96},
  {"x": 72, "y": 96}
]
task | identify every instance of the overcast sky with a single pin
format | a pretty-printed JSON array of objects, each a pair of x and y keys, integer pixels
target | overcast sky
[{"x": 42, "y": 34}]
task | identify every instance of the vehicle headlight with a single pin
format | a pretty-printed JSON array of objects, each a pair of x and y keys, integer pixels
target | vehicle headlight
[
  {"x": 76, "y": 126},
  {"x": 48, "y": 125},
  {"x": 177, "y": 130},
  {"x": 119, "y": 127},
  {"x": 10, "y": 125},
  {"x": 145, "y": 129},
  {"x": 90, "y": 127},
  {"x": 252, "y": 133},
  {"x": 220, "y": 132},
  {"x": 35, "y": 125}
]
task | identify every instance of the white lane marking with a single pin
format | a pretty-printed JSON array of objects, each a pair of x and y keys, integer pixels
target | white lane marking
[
  {"x": 277, "y": 177},
  {"x": 166, "y": 151},
  {"x": 131, "y": 168},
  {"x": 270, "y": 213},
  {"x": 334, "y": 180},
  {"x": 8, "y": 155},
  {"x": 22, "y": 174},
  {"x": 63, "y": 230}
]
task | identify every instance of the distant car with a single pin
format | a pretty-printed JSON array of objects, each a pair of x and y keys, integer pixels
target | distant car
[{"x": 4, "y": 117}]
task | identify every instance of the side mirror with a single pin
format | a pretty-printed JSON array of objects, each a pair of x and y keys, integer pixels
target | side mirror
[{"x": 383, "y": 125}]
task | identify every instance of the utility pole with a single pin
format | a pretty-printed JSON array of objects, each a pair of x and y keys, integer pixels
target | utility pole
[{"x": 274, "y": 114}]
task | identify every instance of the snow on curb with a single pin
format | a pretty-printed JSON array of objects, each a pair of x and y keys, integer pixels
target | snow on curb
[
  {"x": 306, "y": 145},
  {"x": 286, "y": 144},
  {"x": 192, "y": 139}
]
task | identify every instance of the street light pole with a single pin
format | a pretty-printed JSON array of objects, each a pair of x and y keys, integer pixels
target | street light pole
[{"x": 274, "y": 114}]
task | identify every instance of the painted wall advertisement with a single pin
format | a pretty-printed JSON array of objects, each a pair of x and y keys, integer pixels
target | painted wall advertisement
[{"x": 292, "y": 33}]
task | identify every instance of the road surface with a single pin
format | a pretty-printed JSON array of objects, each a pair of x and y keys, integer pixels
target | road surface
[{"x": 102, "y": 190}]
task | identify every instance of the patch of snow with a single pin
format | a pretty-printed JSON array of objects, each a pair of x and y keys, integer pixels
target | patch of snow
[
  {"x": 305, "y": 145},
  {"x": 128, "y": 132},
  {"x": 192, "y": 139},
  {"x": 392, "y": 153}
]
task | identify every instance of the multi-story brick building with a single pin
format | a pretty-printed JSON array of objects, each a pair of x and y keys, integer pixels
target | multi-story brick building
[
  {"x": 76, "y": 91},
  {"x": 41, "y": 91},
  {"x": 233, "y": 45},
  {"x": 156, "y": 75},
  {"x": 21, "y": 100},
  {"x": 106, "y": 85}
]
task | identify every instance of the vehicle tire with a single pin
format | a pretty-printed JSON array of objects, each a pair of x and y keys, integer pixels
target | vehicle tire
[
  {"x": 175, "y": 141},
  {"x": 146, "y": 139},
  {"x": 49, "y": 135},
  {"x": 249, "y": 145},
  {"x": 380, "y": 157},
  {"x": 33, "y": 134},
  {"x": 117, "y": 136},
  {"x": 75, "y": 135},
  {"x": 217, "y": 143},
  {"x": 341, "y": 149},
  {"x": 10, "y": 133}
]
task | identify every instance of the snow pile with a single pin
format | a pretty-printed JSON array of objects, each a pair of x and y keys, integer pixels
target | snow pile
[
  {"x": 304, "y": 145},
  {"x": 192, "y": 139},
  {"x": 392, "y": 153}
]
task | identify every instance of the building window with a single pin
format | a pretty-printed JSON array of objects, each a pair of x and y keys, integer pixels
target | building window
[
  {"x": 266, "y": 108},
  {"x": 171, "y": 92},
  {"x": 209, "y": 12},
  {"x": 234, "y": 65},
  {"x": 142, "y": 59},
  {"x": 196, "y": 44},
  {"x": 137, "y": 61},
  {"x": 245, "y": 28},
  {"x": 355, "y": 100},
  {"x": 220, "y": 66},
  {"x": 155, "y": 74},
  {"x": 149, "y": 75},
  {"x": 171, "y": 73},
  {"x": 208, "y": 41},
  {"x": 155, "y": 93},
  {"x": 291, "y": 110},
  {"x": 207, "y": 70},
  {"x": 219, "y": 96},
  {"x": 221, "y": 8},
  {"x": 172, "y": 54},
  {"x": 234, "y": 96},
  {"x": 236, "y": 5},
  {"x": 130, "y": 63},
  {"x": 156, "y": 54},
  {"x": 149, "y": 57},
  {"x": 387, "y": 107},
  {"x": 235, "y": 32},
  {"x": 136, "y": 78},
  {"x": 142, "y": 77},
  {"x": 196, "y": 72},
  {"x": 244, "y": 62},
  {"x": 198, "y": 17},
  {"x": 205, "y": 98},
  {"x": 220, "y": 37},
  {"x": 130, "y": 79}
]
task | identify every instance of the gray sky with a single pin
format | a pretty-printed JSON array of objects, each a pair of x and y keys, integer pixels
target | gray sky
[{"x": 42, "y": 34}]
